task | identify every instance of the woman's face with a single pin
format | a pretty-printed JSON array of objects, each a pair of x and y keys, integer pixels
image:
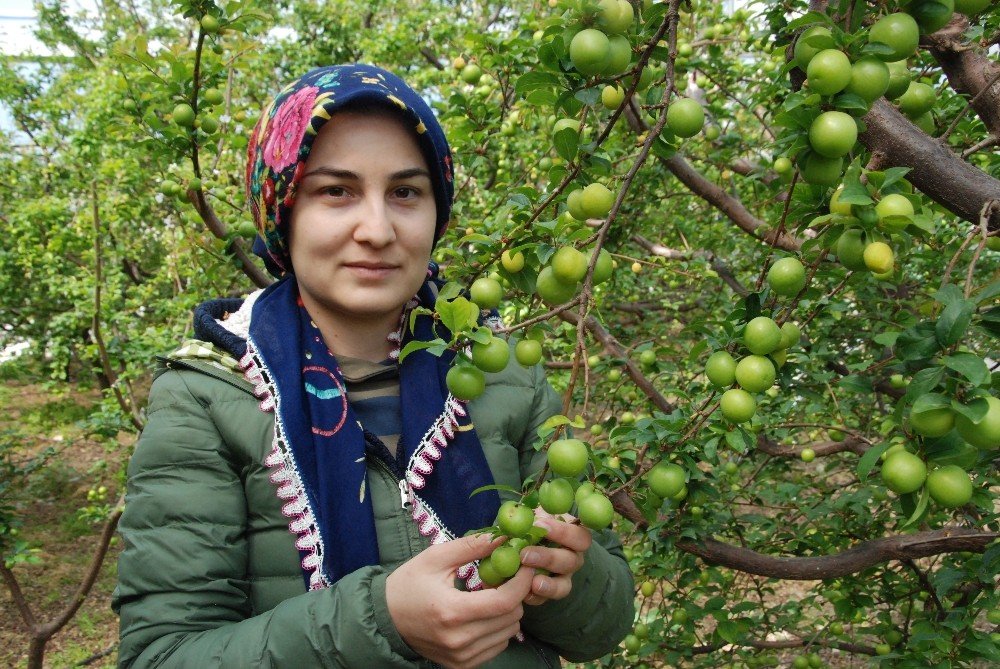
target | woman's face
[{"x": 362, "y": 226}]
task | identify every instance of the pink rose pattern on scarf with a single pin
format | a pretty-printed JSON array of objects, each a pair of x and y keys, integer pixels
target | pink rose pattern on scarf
[{"x": 287, "y": 128}]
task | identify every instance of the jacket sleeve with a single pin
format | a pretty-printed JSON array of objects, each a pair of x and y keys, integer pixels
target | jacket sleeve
[
  {"x": 600, "y": 609},
  {"x": 182, "y": 584}
]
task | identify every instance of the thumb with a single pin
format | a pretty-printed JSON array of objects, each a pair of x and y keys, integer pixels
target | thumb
[{"x": 457, "y": 552}]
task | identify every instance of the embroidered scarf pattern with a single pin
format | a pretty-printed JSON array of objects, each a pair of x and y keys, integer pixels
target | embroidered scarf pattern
[{"x": 319, "y": 458}]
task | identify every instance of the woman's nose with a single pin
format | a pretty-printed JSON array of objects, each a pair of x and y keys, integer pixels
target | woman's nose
[{"x": 375, "y": 225}]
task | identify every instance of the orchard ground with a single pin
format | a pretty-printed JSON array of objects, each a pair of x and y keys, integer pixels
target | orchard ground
[{"x": 36, "y": 418}]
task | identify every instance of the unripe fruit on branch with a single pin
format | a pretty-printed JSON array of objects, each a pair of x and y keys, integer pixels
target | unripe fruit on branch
[
  {"x": 597, "y": 200},
  {"x": 556, "y": 496},
  {"x": 851, "y": 249},
  {"x": 762, "y": 335},
  {"x": 869, "y": 78},
  {"x": 829, "y": 72},
  {"x": 878, "y": 257},
  {"x": 804, "y": 50},
  {"x": 512, "y": 263},
  {"x": 903, "y": 472},
  {"x": 486, "y": 292},
  {"x": 950, "y": 486},
  {"x": 567, "y": 457},
  {"x": 528, "y": 352},
  {"x": 787, "y": 277},
  {"x": 465, "y": 381},
  {"x": 685, "y": 117},
  {"x": 755, "y": 373},
  {"x": 899, "y": 32},
  {"x": 984, "y": 434},
  {"x": 551, "y": 289},
  {"x": 721, "y": 369},
  {"x": 666, "y": 479},
  {"x": 833, "y": 134},
  {"x": 737, "y": 405},
  {"x": 589, "y": 50},
  {"x": 595, "y": 511},
  {"x": 790, "y": 335},
  {"x": 491, "y": 356},
  {"x": 471, "y": 73}
]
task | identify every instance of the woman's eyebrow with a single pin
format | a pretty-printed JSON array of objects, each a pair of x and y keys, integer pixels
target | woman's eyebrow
[{"x": 349, "y": 175}]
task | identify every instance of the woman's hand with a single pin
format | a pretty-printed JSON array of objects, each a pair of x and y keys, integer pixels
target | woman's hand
[
  {"x": 454, "y": 628},
  {"x": 562, "y": 560}
]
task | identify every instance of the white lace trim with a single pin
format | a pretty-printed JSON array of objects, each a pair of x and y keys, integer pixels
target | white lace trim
[
  {"x": 420, "y": 466},
  {"x": 285, "y": 473}
]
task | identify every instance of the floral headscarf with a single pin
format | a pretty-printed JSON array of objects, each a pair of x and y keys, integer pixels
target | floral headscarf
[{"x": 280, "y": 145}]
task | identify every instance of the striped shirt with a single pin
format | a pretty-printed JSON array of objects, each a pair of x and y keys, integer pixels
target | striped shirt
[{"x": 373, "y": 391}]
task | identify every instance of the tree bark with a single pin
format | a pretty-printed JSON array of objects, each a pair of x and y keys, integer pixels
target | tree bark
[
  {"x": 969, "y": 71},
  {"x": 935, "y": 170},
  {"x": 859, "y": 558}
]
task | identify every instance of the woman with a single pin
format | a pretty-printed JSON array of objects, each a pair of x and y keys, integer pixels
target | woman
[{"x": 298, "y": 498}]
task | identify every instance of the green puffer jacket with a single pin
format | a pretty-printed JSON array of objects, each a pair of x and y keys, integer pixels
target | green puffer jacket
[{"x": 209, "y": 575}]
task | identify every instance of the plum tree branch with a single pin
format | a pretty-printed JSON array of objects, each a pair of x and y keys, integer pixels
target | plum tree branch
[
  {"x": 616, "y": 350},
  {"x": 720, "y": 267},
  {"x": 969, "y": 71},
  {"x": 934, "y": 169},
  {"x": 821, "y": 448},
  {"x": 716, "y": 196},
  {"x": 864, "y": 555},
  {"x": 784, "y": 644}
]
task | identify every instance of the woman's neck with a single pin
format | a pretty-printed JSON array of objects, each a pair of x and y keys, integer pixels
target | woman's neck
[{"x": 366, "y": 339}]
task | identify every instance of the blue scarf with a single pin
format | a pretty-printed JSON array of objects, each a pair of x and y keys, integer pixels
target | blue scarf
[{"x": 321, "y": 452}]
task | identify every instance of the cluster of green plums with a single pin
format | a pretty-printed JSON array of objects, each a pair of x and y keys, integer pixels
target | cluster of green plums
[
  {"x": 767, "y": 346},
  {"x": 932, "y": 417},
  {"x": 876, "y": 70},
  {"x": 567, "y": 460}
]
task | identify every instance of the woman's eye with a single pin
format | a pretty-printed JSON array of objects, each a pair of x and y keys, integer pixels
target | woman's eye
[
  {"x": 335, "y": 191},
  {"x": 406, "y": 192}
]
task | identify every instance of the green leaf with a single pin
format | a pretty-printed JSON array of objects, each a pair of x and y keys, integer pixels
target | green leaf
[
  {"x": 917, "y": 343},
  {"x": 989, "y": 320},
  {"x": 854, "y": 192},
  {"x": 808, "y": 19},
  {"x": 868, "y": 460},
  {"x": 876, "y": 49},
  {"x": 988, "y": 293},
  {"x": 495, "y": 486},
  {"x": 923, "y": 382},
  {"x": 729, "y": 630},
  {"x": 975, "y": 412},
  {"x": 663, "y": 149},
  {"x": 954, "y": 321},
  {"x": 893, "y": 175},
  {"x": 856, "y": 383},
  {"x": 970, "y": 366},
  {"x": 438, "y": 344},
  {"x": 919, "y": 510},
  {"x": 886, "y": 338},
  {"x": 536, "y": 80},
  {"x": 566, "y": 142},
  {"x": 930, "y": 402},
  {"x": 848, "y": 101},
  {"x": 458, "y": 315},
  {"x": 739, "y": 440},
  {"x": 948, "y": 294}
]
